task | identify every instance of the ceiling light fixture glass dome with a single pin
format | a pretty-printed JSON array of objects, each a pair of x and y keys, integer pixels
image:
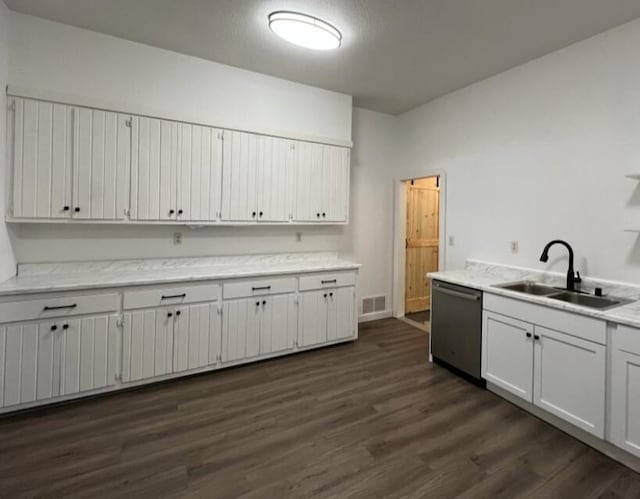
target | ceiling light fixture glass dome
[{"x": 305, "y": 31}]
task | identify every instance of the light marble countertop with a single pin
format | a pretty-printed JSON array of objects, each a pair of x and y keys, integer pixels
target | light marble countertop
[
  {"x": 45, "y": 277},
  {"x": 485, "y": 276}
]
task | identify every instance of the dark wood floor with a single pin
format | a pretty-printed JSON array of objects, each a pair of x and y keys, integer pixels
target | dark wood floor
[{"x": 370, "y": 419}]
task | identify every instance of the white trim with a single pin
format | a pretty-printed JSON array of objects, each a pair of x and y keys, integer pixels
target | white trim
[
  {"x": 96, "y": 103},
  {"x": 191, "y": 224},
  {"x": 374, "y": 316},
  {"x": 400, "y": 234}
]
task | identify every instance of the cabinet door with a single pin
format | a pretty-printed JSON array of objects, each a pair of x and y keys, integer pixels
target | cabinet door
[
  {"x": 240, "y": 170},
  {"x": 241, "y": 329},
  {"x": 335, "y": 184},
  {"x": 278, "y": 324},
  {"x": 340, "y": 313},
  {"x": 154, "y": 169},
  {"x": 309, "y": 182},
  {"x": 147, "y": 344},
  {"x": 625, "y": 390},
  {"x": 27, "y": 363},
  {"x": 42, "y": 159},
  {"x": 197, "y": 336},
  {"x": 569, "y": 379},
  {"x": 102, "y": 159},
  {"x": 200, "y": 173},
  {"x": 88, "y": 353},
  {"x": 507, "y": 354},
  {"x": 275, "y": 181},
  {"x": 313, "y": 311}
]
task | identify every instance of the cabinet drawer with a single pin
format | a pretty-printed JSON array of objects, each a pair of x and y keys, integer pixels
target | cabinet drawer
[
  {"x": 58, "y": 306},
  {"x": 327, "y": 280},
  {"x": 259, "y": 287},
  {"x": 154, "y": 297}
]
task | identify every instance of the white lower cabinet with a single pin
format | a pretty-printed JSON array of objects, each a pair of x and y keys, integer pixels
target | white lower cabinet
[
  {"x": 569, "y": 379},
  {"x": 507, "y": 357},
  {"x": 326, "y": 315},
  {"x": 256, "y": 326},
  {"x": 625, "y": 389},
  {"x": 558, "y": 371},
  {"x": 48, "y": 359},
  {"x": 167, "y": 340}
]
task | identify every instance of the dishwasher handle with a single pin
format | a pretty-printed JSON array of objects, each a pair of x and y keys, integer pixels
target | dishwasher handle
[{"x": 458, "y": 294}]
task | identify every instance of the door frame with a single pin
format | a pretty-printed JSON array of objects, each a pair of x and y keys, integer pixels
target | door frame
[{"x": 400, "y": 233}]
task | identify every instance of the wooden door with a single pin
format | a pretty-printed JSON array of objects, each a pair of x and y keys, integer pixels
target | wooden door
[
  {"x": 42, "y": 159},
  {"x": 423, "y": 198},
  {"x": 507, "y": 354},
  {"x": 200, "y": 173},
  {"x": 240, "y": 170},
  {"x": 278, "y": 324},
  {"x": 154, "y": 169},
  {"x": 241, "y": 329},
  {"x": 569, "y": 379},
  {"x": 101, "y": 171}
]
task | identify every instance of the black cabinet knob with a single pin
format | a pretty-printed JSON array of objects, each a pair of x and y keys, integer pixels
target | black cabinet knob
[
  {"x": 180, "y": 212},
  {"x": 536, "y": 337},
  {"x": 169, "y": 314},
  {"x": 324, "y": 215},
  {"x": 331, "y": 294},
  {"x": 178, "y": 312},
  {"x": 325, "y": 295},
  {"x": 260, "y": 214},
  {"x": 54, "y": 327},
  {"x": 66, "y": 208},
  {"x": 257, "y": 304},
  {"x": 253, "y": 214},
  {"x": 528, "y": 335},
  {"x": 171, "y": 212},
  {"x": 264, "y": 302},
  {"x": 76, "y": 209},
  {"x": 65, "y": 326},
  {"x": 318, "y": 215}
]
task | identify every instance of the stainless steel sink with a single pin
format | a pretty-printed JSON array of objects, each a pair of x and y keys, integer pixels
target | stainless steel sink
[
  {"x": 529, "y": 287},
  {"x": 589, "y": 301}
]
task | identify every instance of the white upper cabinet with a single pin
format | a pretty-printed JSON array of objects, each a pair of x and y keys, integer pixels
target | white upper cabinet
[
  {"x": 176, "y": 171},
  {"x": 257, "y": 180},
  {"x": 69, "y": 162},
  {"x": 322, "y": 183},
  {"x": 78, "y": 163}
]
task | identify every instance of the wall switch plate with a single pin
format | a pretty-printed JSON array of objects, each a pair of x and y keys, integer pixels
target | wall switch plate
[
  {"x": 514, "y": 247},
  {"x": 177, "y": 238},
  {"x": 452, "y": 240}
]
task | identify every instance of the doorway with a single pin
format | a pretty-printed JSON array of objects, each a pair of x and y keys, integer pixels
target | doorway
[{"x": 421, "y": 245}]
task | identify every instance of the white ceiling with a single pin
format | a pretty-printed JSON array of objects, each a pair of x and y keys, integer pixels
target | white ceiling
[{"x": 396, "y": 54}]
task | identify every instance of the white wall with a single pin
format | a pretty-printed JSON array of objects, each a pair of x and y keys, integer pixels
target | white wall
[
  {"x": 540, "y": 152},
  {"x": 7, "y": 260},
  {"x": 72, "y": 64}
]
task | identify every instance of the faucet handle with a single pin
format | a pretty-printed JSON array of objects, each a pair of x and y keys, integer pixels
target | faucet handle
[{"x": 577, "y": 278}]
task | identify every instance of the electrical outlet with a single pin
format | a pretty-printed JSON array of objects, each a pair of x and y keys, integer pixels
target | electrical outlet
[
  {"x": 514, "y": 247},
  {"x": 298, "y": 236},
  {"x": 452, "y": 241},
  {"x": 177, "y": 238}
]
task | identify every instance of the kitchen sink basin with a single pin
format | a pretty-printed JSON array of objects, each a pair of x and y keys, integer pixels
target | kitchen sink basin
[
  {"x": 530, "y": 288},
  {"x": 588, "y": 300}
]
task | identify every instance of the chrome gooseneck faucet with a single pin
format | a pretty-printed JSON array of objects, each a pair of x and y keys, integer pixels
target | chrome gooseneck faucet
[{"x": 572, "y": 276}]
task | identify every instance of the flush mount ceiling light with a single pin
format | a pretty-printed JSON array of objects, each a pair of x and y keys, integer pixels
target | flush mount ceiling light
[{"x": 305, "y": 31}]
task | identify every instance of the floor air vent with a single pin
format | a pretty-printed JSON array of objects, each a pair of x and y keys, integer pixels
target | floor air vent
[{"x": 372, "y": 304}]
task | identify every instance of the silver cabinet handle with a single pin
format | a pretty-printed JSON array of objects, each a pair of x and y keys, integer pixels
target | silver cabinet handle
[{"x": 458, "y": 294}]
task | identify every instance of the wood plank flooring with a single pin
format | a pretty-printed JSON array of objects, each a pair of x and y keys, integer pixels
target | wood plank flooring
[{"x": 369, "y": 419}]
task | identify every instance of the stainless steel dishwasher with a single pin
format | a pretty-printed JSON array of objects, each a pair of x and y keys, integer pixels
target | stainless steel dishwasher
[{"x": 456, "y": 327}]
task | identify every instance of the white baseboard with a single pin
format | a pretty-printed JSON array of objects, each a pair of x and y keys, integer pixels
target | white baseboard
[{"x": 374, "y": 316}]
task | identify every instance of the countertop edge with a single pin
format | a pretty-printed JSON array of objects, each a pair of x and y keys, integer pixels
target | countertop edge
[
  {"x": 147, "y": 281},
  {"x": 608, "y": 315}
]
